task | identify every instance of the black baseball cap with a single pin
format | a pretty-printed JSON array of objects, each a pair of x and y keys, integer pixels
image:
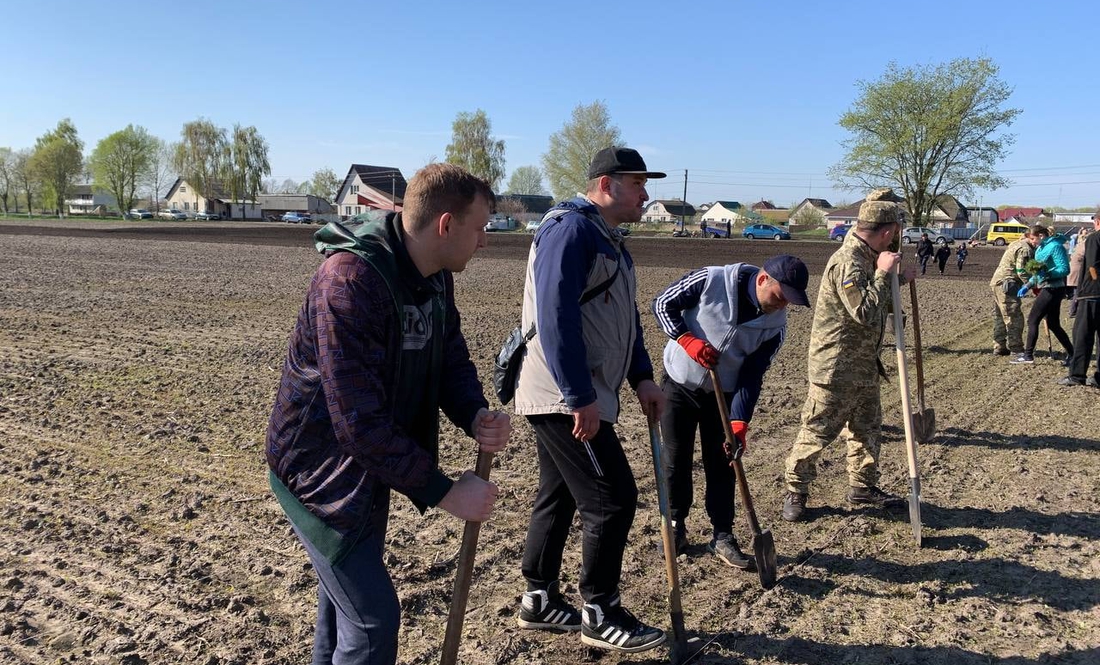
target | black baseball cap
[
  {"x": 611, "y": 161},
  {"x": 792, "y": 275}
]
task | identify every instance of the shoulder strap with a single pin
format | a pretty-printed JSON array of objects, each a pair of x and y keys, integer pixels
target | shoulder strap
[{"x": 601, "y": 287}]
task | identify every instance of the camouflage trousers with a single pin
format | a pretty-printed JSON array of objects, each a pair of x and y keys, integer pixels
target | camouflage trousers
[
  {"x": 1008, "y": 320},
  {"x": 827, "y": 411}
]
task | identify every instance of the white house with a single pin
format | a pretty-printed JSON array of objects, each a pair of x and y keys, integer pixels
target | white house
[
  {"x": 819, "y": 206},
  {"x": 87, "y": 200},
  {"x": 725, "y": 211},
  {"x": 667, "y": 210},
  {"x": 370, "y": 188},
  {"x": 182, "y": 196}
]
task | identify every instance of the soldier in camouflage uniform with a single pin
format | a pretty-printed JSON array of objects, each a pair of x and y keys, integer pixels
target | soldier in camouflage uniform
[
  {"x": 1011, "y": 273},
  {"x": 844, "y": 367}
]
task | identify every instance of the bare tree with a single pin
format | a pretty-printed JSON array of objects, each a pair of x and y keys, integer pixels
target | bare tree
[
  {"x": 161, "y": 174},
  {"x": 289, "y": 186}
]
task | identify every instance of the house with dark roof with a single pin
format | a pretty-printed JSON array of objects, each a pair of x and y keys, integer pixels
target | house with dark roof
[
  {"x": 809, "y": 206},
  {"x": 370, "y": 188},
  {"x": 183, "y": 196},
  {"x": 667, "y": 210},
  {"x": 763, "y": 205},
  {"x": 730, "y": 211}
]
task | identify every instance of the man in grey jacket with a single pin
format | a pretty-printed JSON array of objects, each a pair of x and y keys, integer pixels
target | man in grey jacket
[
  {"x": 580, "y": 298},
  {"x": 732, "y": 319}
]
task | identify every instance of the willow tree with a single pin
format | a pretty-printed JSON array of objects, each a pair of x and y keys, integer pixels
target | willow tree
[
  {"x": 927, "y": 131},
  {"x": 246, "y": 165},
  {"x": 474, "y": 148}
]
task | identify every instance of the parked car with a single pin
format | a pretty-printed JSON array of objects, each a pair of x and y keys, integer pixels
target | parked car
[
  {"x": 1003, "y": 233},
  {"x": 171, "y": 213},
  {"x": 838, "y": 232},
  {"x": 913, "y": 233},
  {"x": 500, "y": 223},
  {"x": 765, "y": 231},
  {"x": 140, "y": 213},
  {"x": 209, "y": 216},
  {"x": 533, "y": 226},
  {"x": 296, "y": 218}
]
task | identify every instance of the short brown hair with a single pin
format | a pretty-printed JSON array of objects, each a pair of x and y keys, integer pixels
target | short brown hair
[
  {"x": 439, "y": 188},
  {"x": 1039, "y": 231}
]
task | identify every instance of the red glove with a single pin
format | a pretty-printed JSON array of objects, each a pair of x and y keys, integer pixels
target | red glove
[
  {"x": 740, "y": 435},
  {"x": 699, "y": 350}
]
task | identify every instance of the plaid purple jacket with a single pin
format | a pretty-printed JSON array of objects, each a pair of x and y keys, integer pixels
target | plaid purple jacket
[{"x": 331, "y": 437}]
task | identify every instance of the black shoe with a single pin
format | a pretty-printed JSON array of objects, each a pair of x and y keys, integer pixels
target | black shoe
[
  {"x": 616, "y": 629},
  {"x": 794, "y": 505},
  {"x": 872, "y": 496},
  {"x": 547, "y": 610},
  {"x": 1091, "y": 382},
  {"x": 1067, "y": 362},
  {"x": 724, "y": 546},
  {"x": 1001, "y": 351},
  {"x": 1023, "y": 359},
  {"x": 1070, "y": 381},
  {"x": 679, "y": 536}
]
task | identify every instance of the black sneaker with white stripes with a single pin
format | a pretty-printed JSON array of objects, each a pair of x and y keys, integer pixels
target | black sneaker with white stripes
[
  {"x": 547, "y": 610},
  {"x": 616, "y": 629}
]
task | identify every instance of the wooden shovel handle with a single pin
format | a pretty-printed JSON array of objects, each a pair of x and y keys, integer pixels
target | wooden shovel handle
[
  {"x": 464, "y": 575},
  {"x": 738, "y": 470},
  {"x": 918, "y": 356}
]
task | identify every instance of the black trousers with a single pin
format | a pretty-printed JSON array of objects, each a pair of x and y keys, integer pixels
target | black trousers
[
  {"x": 593, "y": 478},
  {"x": 1086, "y": 332},
  {"x": 1048, "y": 305},
  {"x": 685, "y": 412}
]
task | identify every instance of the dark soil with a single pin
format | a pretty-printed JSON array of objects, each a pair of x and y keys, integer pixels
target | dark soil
[{"x": 138, "y": 364}]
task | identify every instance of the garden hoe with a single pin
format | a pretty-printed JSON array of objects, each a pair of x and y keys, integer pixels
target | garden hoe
[
  {"x": 906, "y": 410},
  {"x": 924, "y": 420},
  {"x": 464, "y": 575},
  {"x": 675, "y": 610},
  {"x": 763, "y": 544}
]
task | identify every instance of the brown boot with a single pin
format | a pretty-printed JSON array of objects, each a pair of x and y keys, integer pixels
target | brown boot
[{"x": 794, "y": 506}]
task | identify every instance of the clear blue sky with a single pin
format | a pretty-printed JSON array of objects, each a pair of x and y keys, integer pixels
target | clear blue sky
[{"x": 745, "y": 95}]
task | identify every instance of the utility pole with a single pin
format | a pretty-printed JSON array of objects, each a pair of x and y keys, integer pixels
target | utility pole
[{"x": 683, "y": 207}]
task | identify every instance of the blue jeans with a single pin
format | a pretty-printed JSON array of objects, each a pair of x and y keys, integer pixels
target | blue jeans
[{"x": 357, "y": 609}]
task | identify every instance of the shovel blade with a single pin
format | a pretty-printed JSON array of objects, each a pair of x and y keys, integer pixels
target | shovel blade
[
  {"x": 924, "y": 425},
  {"x": 914, "y": 508},
  {"x": 763, "y": 547}
]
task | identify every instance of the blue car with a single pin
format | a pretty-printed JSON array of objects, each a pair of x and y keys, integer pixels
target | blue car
[
  {"x": 838, "y": 232},
  {"x": 765, "y": 231}
]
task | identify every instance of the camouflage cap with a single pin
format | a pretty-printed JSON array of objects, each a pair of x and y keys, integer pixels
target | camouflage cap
[
  {"x": 884, "y": 194},
  {"x": 878, "y": 213}
]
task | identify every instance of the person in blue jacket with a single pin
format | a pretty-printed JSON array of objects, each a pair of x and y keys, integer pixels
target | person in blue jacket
[
  {"x": 580, "y": 298},
  {"x": 731, "y": 319},
  {"x": 1050, "y": 285}
]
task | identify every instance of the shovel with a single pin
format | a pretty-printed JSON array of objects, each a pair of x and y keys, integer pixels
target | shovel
[
  {"x": 906, "y": 410},
  {"x": 676, "y": 612},
  {"x": 763, "y": 545},
  {"x": 464, "y": 576},
  {"x": 924, "y": 420}
]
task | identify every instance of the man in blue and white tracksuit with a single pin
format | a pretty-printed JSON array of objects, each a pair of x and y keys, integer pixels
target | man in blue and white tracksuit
[{"x": 733, "y": 319}]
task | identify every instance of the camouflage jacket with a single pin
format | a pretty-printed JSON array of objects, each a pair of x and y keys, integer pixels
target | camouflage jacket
[
  {"x": 849, "y": 318},
  {"x": 1013, "y": 263}
]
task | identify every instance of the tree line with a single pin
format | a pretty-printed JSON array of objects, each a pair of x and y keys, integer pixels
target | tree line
[{"x": 925, "y": 131}]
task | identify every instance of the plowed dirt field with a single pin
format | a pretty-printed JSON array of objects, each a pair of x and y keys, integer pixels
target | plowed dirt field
[{"x": 138, "y": 365}]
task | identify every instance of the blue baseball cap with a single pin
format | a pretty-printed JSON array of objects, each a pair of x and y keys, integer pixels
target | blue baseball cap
[{"x": 792, "y": 275}]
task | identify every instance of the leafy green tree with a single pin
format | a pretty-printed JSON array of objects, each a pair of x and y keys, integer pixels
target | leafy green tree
[
  {"x": 927, "y": 131},
  {"x": 7, "y": 183},
  {"x": 24, "y": 178},
  {"x": 246, "y": 164},
  {"x": 574, "y": 145},
  {"x": 57, "y": 161},
  {"x": 473, "y": 147},
  {"x": 201, "y": 154},
  {"x": 526, "y": 180},
  {"x": 324, "y": 184},
  {"x": 121, "y": 162}
]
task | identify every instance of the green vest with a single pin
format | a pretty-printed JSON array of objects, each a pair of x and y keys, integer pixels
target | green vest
[{"x": 414, "y": 396}]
